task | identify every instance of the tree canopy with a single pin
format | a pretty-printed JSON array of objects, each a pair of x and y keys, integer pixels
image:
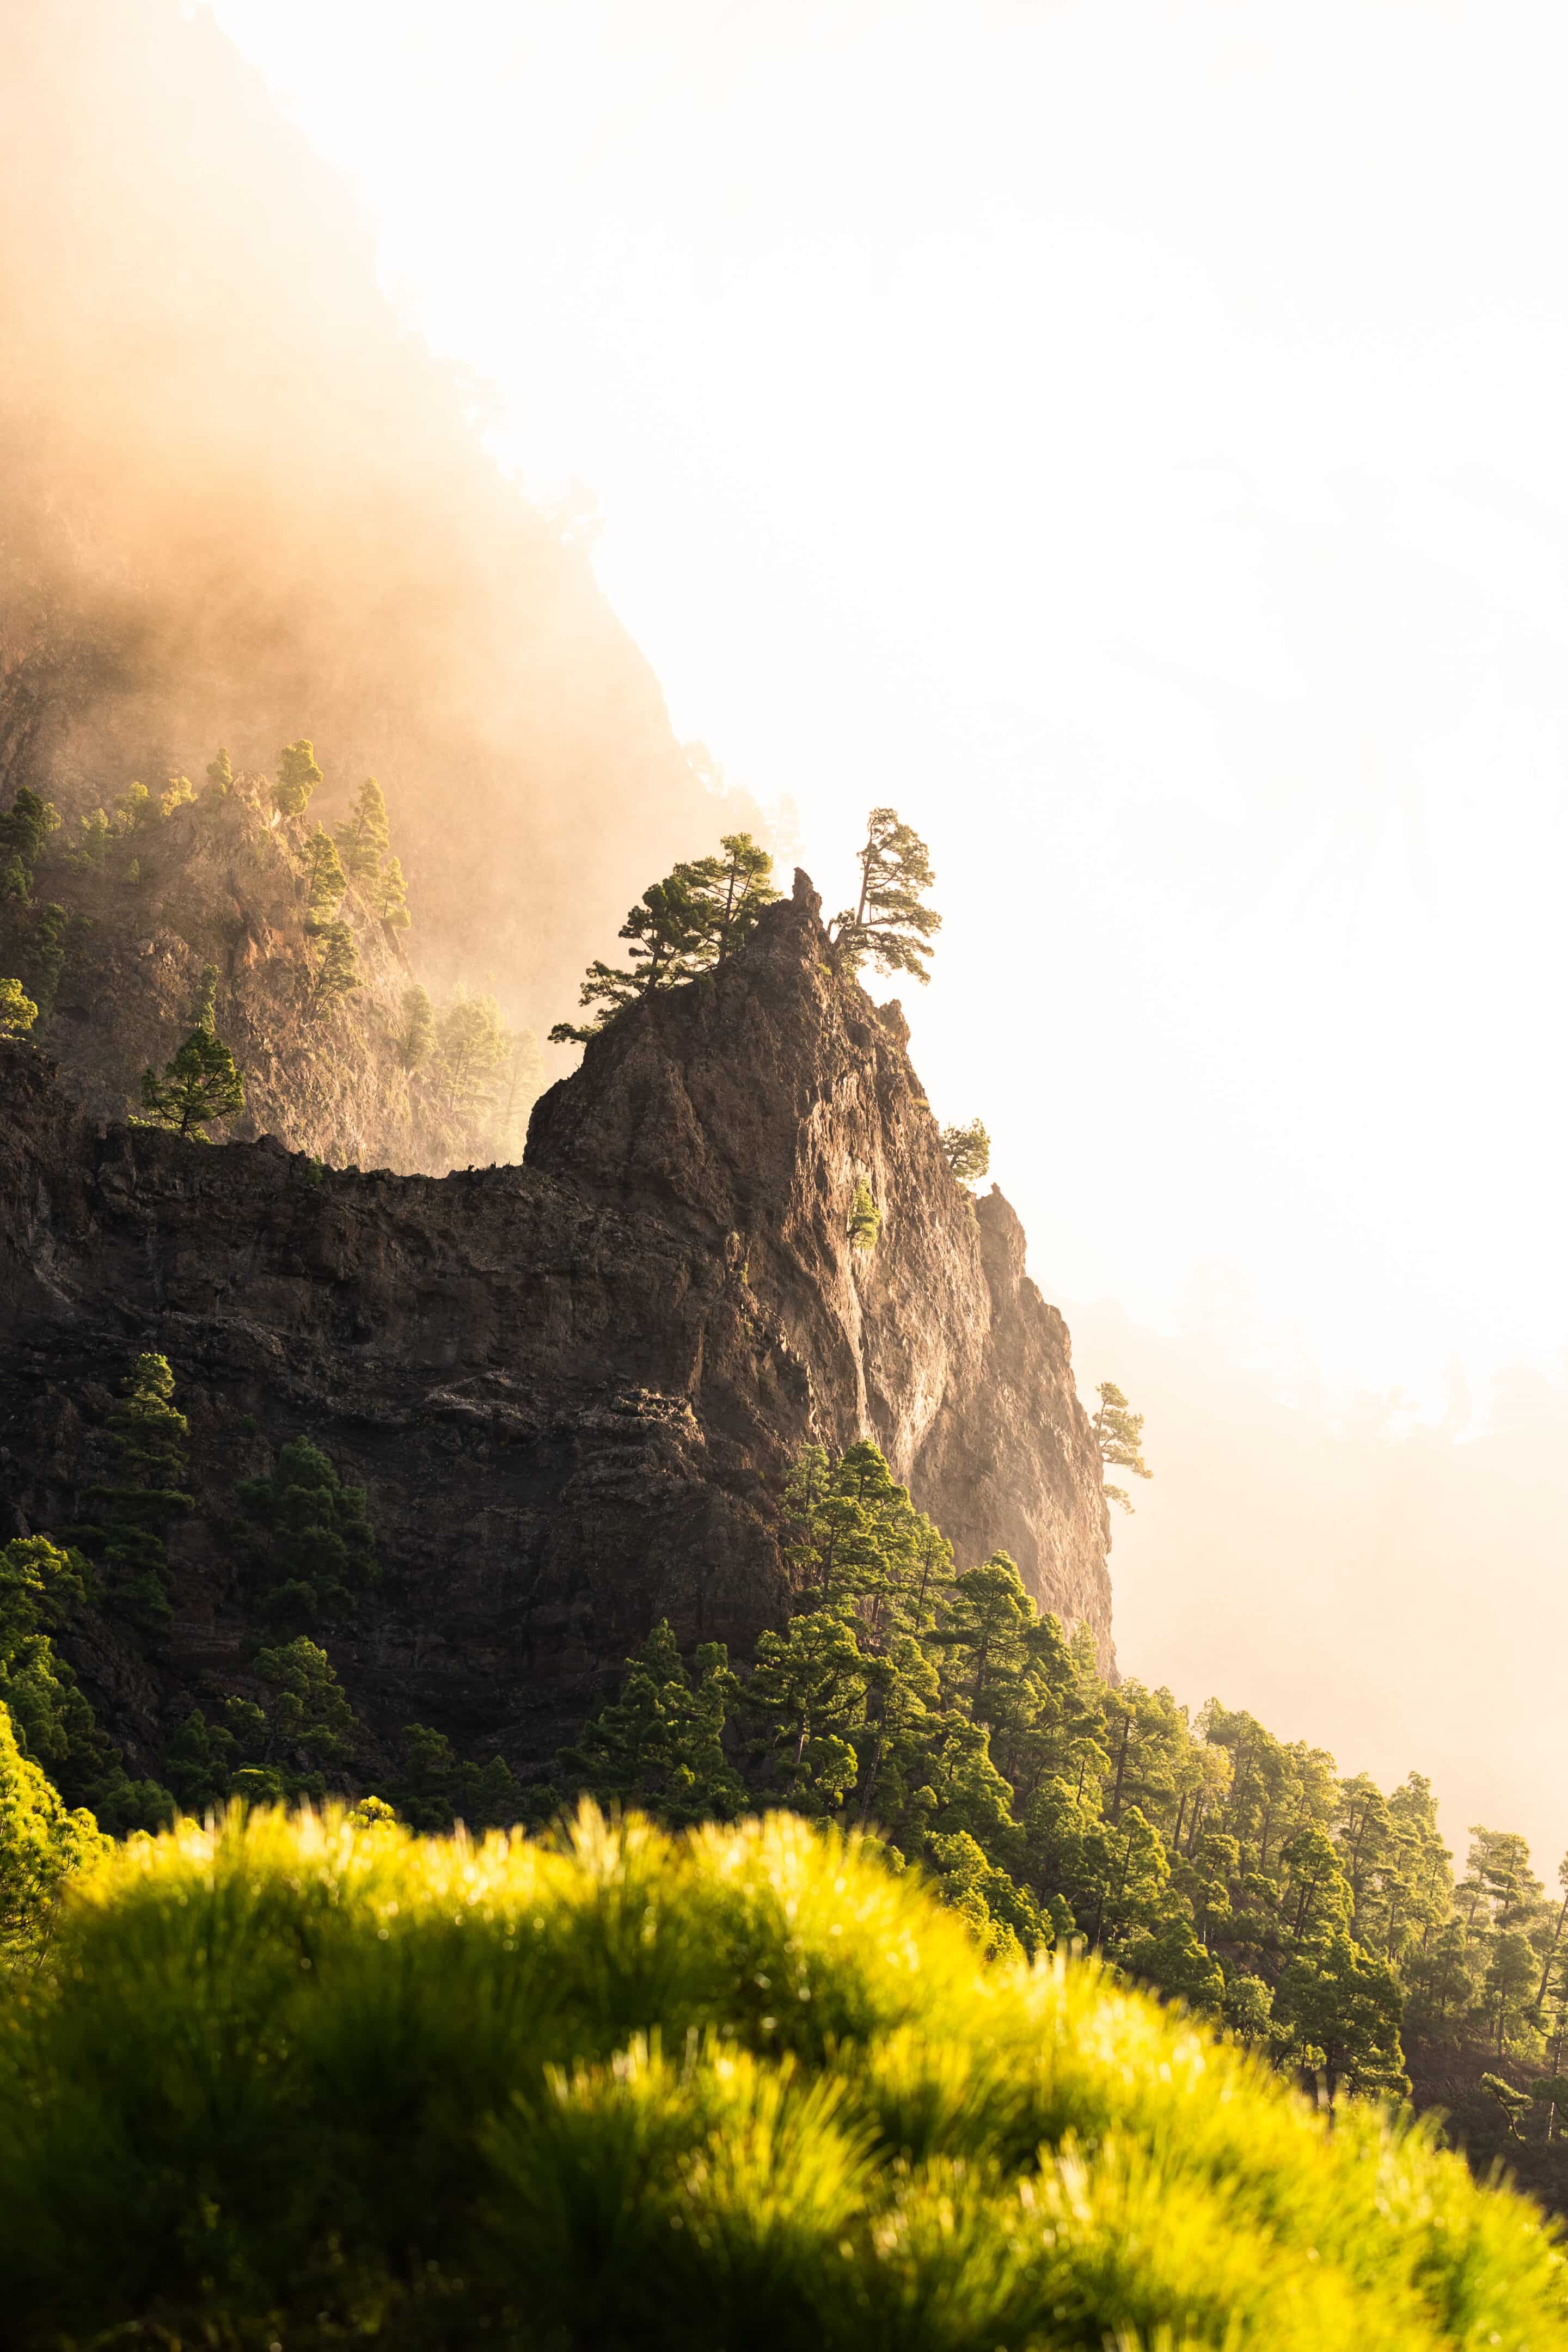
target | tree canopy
[
  {"x": 688, "y": 923},
  {"x": 17, "y": 1010},
  {"x": 298, "y": 776},
  {"x": 967, "y": 1150},
  {"x": 889, "y": 922},
  {"x": 201, "y": 1082},
  {"x": 366, "y": 838},
  {"x": 1119, "y": 1433}
]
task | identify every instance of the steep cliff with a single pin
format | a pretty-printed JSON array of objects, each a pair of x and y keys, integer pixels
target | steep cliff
[{"x": 573, "y": 1387}]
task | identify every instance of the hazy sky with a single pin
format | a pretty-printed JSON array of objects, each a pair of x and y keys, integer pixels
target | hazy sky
[{"x": 1129, "y": 437}]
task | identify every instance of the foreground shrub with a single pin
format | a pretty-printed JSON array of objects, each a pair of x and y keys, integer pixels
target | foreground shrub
[{"x": 291, "y": 2080}]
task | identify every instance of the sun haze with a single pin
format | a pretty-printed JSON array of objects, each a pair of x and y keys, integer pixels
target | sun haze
[{"x": 1130, "y": 436}]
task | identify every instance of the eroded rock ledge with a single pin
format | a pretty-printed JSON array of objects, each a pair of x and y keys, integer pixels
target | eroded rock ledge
[{"x": 573, "y": 1388}]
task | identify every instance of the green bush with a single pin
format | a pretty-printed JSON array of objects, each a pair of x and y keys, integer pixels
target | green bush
[{"x": 288, "y": 2080}]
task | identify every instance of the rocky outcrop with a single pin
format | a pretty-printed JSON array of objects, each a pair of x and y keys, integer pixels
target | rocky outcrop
[
  {"x": 748, "y": 1106},
  {"x": 573, "y": 1388}
]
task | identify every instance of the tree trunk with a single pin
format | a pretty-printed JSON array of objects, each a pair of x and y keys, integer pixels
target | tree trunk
[{"x": 1120, "y": 1768}]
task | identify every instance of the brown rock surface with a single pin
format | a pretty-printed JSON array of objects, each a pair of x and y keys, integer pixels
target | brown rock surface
[{"x": 571, "y": 1388}]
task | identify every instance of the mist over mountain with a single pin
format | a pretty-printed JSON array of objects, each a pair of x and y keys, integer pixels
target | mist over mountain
[{"x": 241, "y": 506}]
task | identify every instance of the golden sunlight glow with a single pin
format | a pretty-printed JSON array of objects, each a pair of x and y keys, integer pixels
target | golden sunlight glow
[{"x": 1128, "y": 436}]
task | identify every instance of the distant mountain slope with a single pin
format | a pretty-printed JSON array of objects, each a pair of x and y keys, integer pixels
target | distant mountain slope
[
  {"x": 135, "y": 915},
  {"x": 237, "y": 505}
]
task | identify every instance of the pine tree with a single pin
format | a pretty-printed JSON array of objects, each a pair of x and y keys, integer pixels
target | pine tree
[
  {"x": 298, "y": 776},
  {"x": 390, "y": 897},
  {"x": 132, "y": 809},
  {"x": 671, "y": 940},
  {"x": 525, "y": 1076},
  {"x": 25, "y": 829},
  {"x": 1119, "y": 1433},
  {"x": 418, "y": 1029},
  {"x": 804, "y": 1696},
  {"x": 310, "y": 1724},
  {"x": 865, "y": 1218},
  {"x": 201, "y": 1083},
  {"x": 198, "y": 1763},
  {"x": 364, "y": 839},
  {"x": 1515, "y": 2104},
  {"x": 45, "y": 1592},
  {"x": 41, "y": 1845},
  {"x": 325, "y": 880},
  {"x": 18, "y": 1012},
  {"x": 983, "y": 1637},
  {"x": 659, "y": 1743},
  {"x": 889, "y": 923},
  {"x": 92, "y": 848},
  {"x": 472, "y": 1048},
  {"x": 730, "y": 891},
  {"x": 967, "y": 1150},
  {"x": 220, "y": 776},
  {"x": 1339, "y": 2011},
  {"x": 148, "y": 1434},
  {"x": 310, "y": 1546},
  {"x": 47, "y": 959},
  {"x": 337, "y": 974}
]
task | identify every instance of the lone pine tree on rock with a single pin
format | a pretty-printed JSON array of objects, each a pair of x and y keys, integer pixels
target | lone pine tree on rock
[
  {"x": 298, "y": 776},
  {"x": 1118, "y": 1432},
  {"x": 967, "y": 1150},
  {"x": 201, "y": 1083},
  {"x": 696, "y": 918},
  {"x": 889, "y": 922}
]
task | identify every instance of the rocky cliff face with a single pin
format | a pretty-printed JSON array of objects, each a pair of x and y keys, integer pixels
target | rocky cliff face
[
  {"x": 573, "y": 1388},
  {"x": 748, "y": 1106}
]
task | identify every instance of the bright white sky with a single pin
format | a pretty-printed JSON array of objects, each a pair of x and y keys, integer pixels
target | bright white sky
[{"x": 1129, "y": 436}]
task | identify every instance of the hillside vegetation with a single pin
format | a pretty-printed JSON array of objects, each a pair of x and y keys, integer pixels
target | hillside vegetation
[
  {"x": 233, "y": 906},
  {"x": 291, "y": 2080},
  {"x": 1316, "y": 1918}
]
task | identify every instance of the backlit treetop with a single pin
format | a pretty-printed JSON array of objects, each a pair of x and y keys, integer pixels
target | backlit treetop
[{"x": 692, "y": 920}]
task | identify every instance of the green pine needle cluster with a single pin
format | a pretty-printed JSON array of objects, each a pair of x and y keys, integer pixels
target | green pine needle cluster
[
  {"x": 306, "y": 2080},
  {"x": 17, "y": 1009},
  {"x": 202, "y": 1081},
  {"x": 688, "y": 924}
]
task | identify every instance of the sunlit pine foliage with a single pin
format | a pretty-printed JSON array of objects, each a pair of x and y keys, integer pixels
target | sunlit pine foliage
[{"x": 294, "y": 2080}]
